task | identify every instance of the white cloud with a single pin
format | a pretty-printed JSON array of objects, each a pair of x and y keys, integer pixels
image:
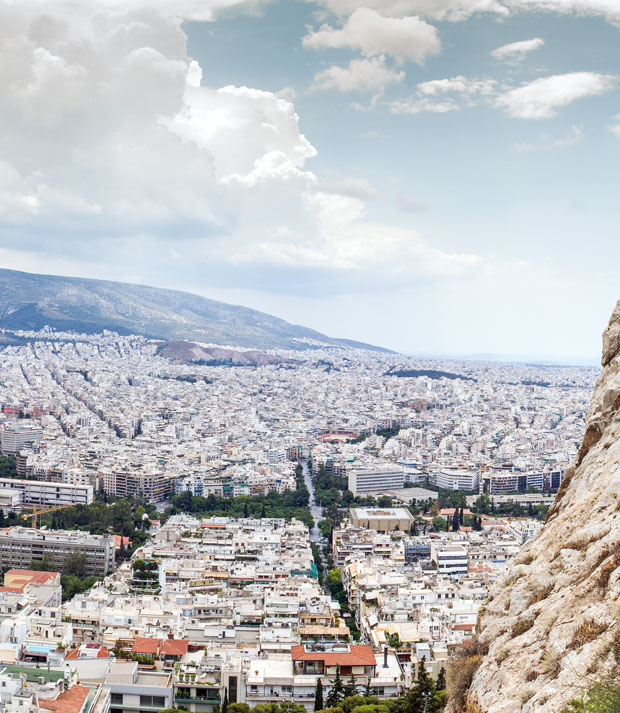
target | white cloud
[
  {"x": 251, "y": 134},
  {"x": 347, "y": 186},
  {"x": 457, "y": 10},
  {"x": 360, "y": 75},
  {"x": 433, "y": 9},
  {"x": 417, "y": 106},
  {"x": 118, "y": 161},
  {"x": 541, "y": 98},
  {"x": 106, "y": 131},
  {"x": 547, "y": 142},
  {"x": 430, "y": 96},
  {"x": 404, "y": 38},
  {"x": 607, "y": 9},
  {"x": 615, "y": 128},
  {"x": 347, "y": 242},
  {"x": 516, "y": 51},
  {"x": 459, "y": 84}
]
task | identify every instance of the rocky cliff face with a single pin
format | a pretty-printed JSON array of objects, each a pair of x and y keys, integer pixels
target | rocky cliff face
[{"x": 552, "y": 626}]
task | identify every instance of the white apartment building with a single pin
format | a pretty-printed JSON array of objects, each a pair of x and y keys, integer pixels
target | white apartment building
[
  {"x": 456, "y": 479},
  {"x": 18, "y": 435},
  {"x": 450, "y": 559},
  {"x": 19, "y": 546},
  {"x": 41, "y": 492},
  {"x": 376, "y": 480},
  {"x": 11, "y": 500}
]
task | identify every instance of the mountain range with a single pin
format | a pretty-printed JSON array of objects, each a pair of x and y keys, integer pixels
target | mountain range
[{"x": 30, "y": 301}]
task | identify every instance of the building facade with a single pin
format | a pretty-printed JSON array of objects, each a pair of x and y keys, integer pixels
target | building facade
[
  {"x": 20, "y": 546},
  {"x": 377, "y": 480}
]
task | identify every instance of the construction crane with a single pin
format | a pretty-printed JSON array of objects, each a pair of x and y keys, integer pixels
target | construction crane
[{"x": 35, "y": 513}]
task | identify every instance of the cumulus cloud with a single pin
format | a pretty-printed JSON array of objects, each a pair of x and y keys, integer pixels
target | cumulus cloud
[
  {"x": 117, "y": 160},
  {"x": 251, "y": 134},
  {"x": 347, "y": 242},
  {"x": 516, "y": 51},
  {"x": 107, "y": 133},
  {"x": 403, "y": 38},
  {"x": 547, "y": 142},
  {"x": 541, "y": 98},
  {"x": 360, "y": 75}
]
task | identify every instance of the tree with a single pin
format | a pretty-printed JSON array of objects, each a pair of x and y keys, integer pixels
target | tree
[
  {"x": 440, "y": 684},
  {"x": 350, "y": 688},
  {"x": 224, "y": 708},
  {"x": 367, "y": 688},
  {"x": 45, "y": 564},
  {"x": 439, "y": 524},
  {"x": 455, "y": 521},
  {"x": 239, "y": 708},
  {"x": 336, "y": 692},
  {"x": 423, "y": 697},
  {"x": 318, "y": 695},
  {"x": 75, "y": 563},
  {"x": 461, "y": 516}
]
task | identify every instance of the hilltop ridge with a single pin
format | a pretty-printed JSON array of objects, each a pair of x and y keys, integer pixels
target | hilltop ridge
[{"x": 30, "y": 301}]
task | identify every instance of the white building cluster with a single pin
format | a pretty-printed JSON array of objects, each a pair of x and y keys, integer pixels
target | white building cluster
[{"x": 107, "y": 411}]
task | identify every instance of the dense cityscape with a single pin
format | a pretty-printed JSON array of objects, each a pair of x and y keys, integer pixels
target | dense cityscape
[{"x": 323, "y": 527}]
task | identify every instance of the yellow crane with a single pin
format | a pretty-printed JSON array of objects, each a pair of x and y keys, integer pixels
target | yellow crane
[{"x": 35, "y": 513}]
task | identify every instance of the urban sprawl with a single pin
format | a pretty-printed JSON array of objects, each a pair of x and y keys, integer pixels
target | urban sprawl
[{"x": 198, "y": 535}]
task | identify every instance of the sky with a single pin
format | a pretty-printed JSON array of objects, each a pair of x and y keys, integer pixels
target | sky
[{"x": 433, "y": 176}]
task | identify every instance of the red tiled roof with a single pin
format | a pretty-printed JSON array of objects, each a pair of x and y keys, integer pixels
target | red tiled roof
[
  {"x": 356, "y": 656},
  {"x": 70, "y": 701},
  {"x": 450, "y": 511},
  {"x": 145, "y": 646},
  {"x": 463, "y": 627},
  {"x": 103, "y": 653},
  {"x": 174, "y": 647},
  {"x": 32, "y": 575}
]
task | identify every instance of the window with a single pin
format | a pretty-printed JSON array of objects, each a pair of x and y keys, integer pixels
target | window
[
  {"x": 155, "y": 701},
  {"x": 116, "y": 698}
]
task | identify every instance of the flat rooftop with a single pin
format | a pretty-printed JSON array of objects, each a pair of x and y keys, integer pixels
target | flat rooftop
[{"x": 400, "y": 513}]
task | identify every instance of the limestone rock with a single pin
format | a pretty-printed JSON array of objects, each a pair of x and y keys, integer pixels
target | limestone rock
[{"x": 552, "y": 624}]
